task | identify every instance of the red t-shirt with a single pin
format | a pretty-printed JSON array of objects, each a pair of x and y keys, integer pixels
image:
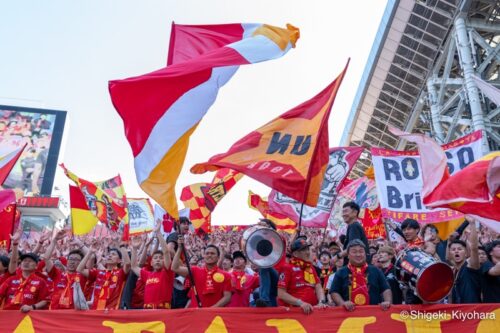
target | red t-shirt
[
  {"x": 243, "y": 284},
  {"x": 158, "y": 288},
  {"x": 292, "y": 279},
  {"x": 62, "y": 297},
  {"x": 5, "y": 276},
  {"x": 221, "y": 282},
  {"x": 29, "y": 291},
  {"x": 108, "y": 288}
]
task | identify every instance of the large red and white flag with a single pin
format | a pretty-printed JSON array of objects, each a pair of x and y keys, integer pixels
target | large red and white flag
[
  {"x": 161, "y": 110},
  {"x": 290, "y": 153}
]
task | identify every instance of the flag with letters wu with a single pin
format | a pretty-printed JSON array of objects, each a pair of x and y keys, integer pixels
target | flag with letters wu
[
  {"x": 290, "y": 153},
  {"x": 161, "y": 110}
]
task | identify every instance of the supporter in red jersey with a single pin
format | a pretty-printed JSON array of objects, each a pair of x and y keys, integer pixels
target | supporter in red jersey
[
  {"x": 212, "y": 284},
  {"x": 158, "y": 283},
  {"x": 298, "y": 284},
  {"x": 4, "y": 269},
  {"x": 64, "y": 280},
  {"x": 26, "y": 291},
  {"x": 242, "y": 282},
  {"x": 109, "y": 282}
]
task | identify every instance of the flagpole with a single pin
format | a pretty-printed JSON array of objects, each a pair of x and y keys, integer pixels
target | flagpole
[
  {"x": 188, "y": 265},
  {"x": 300, "y": 219}
]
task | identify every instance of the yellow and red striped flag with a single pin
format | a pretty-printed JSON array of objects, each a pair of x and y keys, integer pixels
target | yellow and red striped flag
[{"x": 83, "y": 220}]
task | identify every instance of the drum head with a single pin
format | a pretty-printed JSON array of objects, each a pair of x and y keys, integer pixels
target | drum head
[
  {"x": 435, "y": 282},
  {"x": 264, "y": 247}
]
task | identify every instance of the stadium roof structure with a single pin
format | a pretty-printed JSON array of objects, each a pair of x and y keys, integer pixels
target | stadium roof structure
[{"x": 419, "y": 75}]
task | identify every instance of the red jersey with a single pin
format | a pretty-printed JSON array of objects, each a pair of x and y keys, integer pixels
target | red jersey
[
  {"x": 158, "y": 288},
  {"x": 108, "y": 288},
  {"x": 62, "y": 297},
  {"x": 17, "y": 291},
  {"x": 209, "y": 290},
  {"x": 243, "y": 284},
  {"x": 299, "y": 283},
  {"x": 4, "y": 276}
]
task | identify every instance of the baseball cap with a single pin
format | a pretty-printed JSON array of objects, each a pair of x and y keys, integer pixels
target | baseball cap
[
  {"x": 29, "y": 255},
  {"x": 299, "y": 244}
]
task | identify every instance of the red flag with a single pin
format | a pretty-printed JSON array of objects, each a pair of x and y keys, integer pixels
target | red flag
[
  {"x": 8, "y": 160},
  {"x": 372, "y": 223},
  {"x": 202, "y": 198},
  {"x": 478, "y": 195},
  {"x": 290, "y": 153},
  {"x": 82, "y": 219},
  {"x": 7, "y": 221}
]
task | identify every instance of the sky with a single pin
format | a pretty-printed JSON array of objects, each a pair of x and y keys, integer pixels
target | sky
[{"x": 60, "y": 55}]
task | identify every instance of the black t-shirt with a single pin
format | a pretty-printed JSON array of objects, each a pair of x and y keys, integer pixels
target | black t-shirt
[
  {"x": 355, "y": 231},
  {"x": 467, "y": 287},
  {"x": 377, "y": 284},
  {"x": 490, "y": 285},
  {"x": 390, "y": 276}
]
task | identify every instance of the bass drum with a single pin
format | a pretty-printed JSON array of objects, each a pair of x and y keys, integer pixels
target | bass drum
[
  {"x": 263, "y": 246},
  {"x": 431, "y": 280}
]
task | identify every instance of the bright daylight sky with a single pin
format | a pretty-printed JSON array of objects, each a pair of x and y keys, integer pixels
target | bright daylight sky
[{"x": 61, "y": 54}]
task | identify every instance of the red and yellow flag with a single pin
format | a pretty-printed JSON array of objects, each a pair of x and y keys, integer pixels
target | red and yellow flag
[
  {"x": 106, "y": 199},
  {"x": 281, "y": 221},
  {"x": 290, "y": 153},
  {"x": 202, "y": 198},
  {"x": 83, "y": 220}
]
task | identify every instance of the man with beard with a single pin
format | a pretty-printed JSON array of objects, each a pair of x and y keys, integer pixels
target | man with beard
[
  {"x": 359, "y": 283},
  {"x": 109, "y": 282},
  {"x": 242, "y": 282},
  {"x": 299, "y": 285},
  {"x": 465, "y": 261},
  {"x": 213, "y": 285},
  {"x": 159, "y": 283}
]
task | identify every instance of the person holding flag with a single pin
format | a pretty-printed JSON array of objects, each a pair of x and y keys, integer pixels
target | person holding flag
[
  {"x": 158, "y": 283},
  {"x": 212, "y": 284},
  {"x": 109, "y": 282}
]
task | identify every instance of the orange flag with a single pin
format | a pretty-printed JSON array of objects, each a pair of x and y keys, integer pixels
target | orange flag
[
  {"x": 82, "y": 219},
  {"x": 290, "y": 153}
]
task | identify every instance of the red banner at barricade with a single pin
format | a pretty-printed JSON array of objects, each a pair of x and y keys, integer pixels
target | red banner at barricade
[{"x": 480, "y": 318}]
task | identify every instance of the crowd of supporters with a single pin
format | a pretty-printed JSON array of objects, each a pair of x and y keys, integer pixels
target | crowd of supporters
[{"x": 150, "y": 271}]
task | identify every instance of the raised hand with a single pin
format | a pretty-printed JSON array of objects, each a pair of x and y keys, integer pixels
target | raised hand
[
  {"x": 136, "y": 242},
  {"x": 16, "y": 236}
]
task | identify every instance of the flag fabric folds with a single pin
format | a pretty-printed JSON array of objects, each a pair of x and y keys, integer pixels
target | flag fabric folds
[
  {"x": 83, "y": 220},
  {"x": 106, "y": 199},
  {"x": 342, "y": 160},
  {"x": 202, "y": 198},
  {"x": 8, "y": 158},
  {"x": 289, "y": 153},
  {"x": 160, "y": 110},
  {"x": 281, "y": 221},
  {"x": 474, "y": 190},
  {"x": 8, "y": 216}
]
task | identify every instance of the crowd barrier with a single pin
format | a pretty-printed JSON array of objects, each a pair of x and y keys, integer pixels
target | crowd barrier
[{"x": 480, "y": 318}]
